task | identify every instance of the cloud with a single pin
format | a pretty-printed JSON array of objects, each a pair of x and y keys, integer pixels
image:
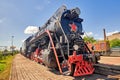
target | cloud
[
  {"x": 31, "y": 30},
  {"x": 86, "y": 34},
  {"x": 91, "y": 34},
  {"x": 22, "y": 40},
  {"x": 99, "y": 38},
  {"x": 110, "y": 33}
]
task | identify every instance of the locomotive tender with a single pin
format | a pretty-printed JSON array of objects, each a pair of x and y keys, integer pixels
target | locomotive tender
[{"x": 58, "y": 44}]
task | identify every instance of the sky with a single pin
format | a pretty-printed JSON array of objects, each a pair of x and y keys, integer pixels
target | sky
[{"x": 17, "y": 15}]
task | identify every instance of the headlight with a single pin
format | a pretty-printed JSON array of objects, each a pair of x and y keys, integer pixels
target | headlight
[{"x": 76, "y": 47}]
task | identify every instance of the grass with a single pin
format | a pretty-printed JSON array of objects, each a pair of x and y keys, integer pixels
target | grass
[
  {"x": 2, "y": 66},
  {"x": 5, "y": 66}
]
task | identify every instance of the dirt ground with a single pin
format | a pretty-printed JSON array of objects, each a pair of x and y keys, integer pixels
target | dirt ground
[{"x": 110, "y": 60}]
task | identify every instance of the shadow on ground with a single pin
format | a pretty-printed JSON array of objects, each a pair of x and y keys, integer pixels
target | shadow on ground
[{"x": 88, "y": 77}]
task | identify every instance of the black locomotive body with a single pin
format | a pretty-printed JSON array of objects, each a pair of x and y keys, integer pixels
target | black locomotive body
[{"x": 58, "y": 44}]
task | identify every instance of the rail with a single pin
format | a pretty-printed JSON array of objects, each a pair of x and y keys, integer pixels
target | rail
[{"x": 115, "y": 49}]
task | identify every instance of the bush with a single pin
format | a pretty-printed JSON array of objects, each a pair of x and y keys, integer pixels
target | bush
[
  {"x": 115, "y": 43},
  {"x": 89, "y": 39}
]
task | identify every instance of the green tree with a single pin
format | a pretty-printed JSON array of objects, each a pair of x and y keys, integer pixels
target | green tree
[
  {"x": 89, "y": 39},
  {"x": 115, "y": 43}
]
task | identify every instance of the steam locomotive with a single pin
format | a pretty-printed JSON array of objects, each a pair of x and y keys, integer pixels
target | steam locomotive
[{"x": 58, "y": 44}]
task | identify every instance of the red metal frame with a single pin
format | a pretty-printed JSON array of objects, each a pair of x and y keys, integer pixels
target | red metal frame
[
  {"x": 36, "y": 55},
  {"x": 82, "y": 67}
]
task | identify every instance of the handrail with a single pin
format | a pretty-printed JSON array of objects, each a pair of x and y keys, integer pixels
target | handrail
[
  {"x": 64, "y": 36},
  {"x": 53, "y": 47}
]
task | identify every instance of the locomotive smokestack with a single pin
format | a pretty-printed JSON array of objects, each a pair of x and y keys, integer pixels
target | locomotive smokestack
[{"x": 104, "y": 32}]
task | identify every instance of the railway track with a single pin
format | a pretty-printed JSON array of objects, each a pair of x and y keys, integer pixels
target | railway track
[{"x": 107, "y": 70}]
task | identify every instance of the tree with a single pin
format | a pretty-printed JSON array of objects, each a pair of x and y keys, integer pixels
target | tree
[
  {"x": 115, "y": 43},
  {"x": 89, "y": 39}
]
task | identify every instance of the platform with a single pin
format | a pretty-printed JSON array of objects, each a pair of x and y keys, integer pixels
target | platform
[{"x": 25, "y": 69}]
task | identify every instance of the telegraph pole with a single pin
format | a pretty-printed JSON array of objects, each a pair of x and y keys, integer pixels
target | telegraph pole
[{"x": 12, "y": 44}]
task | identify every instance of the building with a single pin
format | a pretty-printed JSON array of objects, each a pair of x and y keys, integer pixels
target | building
[{"x": 114, "y": 36}]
